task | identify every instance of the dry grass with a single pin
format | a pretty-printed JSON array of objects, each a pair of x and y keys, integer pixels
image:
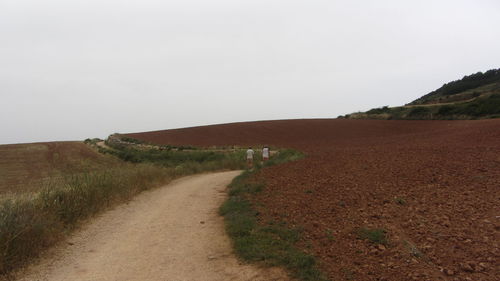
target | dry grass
[
  {"x": 25, "y": 167},
  {"x": 31, "y": 222}
]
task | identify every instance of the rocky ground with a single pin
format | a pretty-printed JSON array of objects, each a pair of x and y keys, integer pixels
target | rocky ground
[{"x": 432, "y": 186}]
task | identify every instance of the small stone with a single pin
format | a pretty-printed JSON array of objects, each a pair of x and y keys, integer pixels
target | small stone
[
  {"x": 449, "y": 272},
  {"x": 381, "y": 247},
  {"x": 483, "y": 265},
  {"x": 478, "y": 268},
  {"x": 202, "y": 222},
  {"x": 473, "y": 265},
  {"x": 466, "y": 267}
]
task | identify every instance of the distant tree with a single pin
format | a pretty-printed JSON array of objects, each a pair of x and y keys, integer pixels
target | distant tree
[{"x": 466, "y": 83}]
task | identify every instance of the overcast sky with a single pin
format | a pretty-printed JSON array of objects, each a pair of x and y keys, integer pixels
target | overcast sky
[{"x": 76, "y": 69}]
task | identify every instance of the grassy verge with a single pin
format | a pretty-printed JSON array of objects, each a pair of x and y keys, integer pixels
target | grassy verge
[
  {"x": 197, "y": 160},
  {"x": 272, "y": 245},
  {"x": 33, "y": 221}
]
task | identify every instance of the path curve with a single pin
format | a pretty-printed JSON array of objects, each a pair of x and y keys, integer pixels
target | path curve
[{"x": 170, "y": 233}]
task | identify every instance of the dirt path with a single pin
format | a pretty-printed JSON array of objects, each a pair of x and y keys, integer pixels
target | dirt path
[{"x": 171, "y": 233}]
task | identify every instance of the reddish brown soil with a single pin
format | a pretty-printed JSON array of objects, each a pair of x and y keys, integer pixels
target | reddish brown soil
[{"x": 446, "y": 174}]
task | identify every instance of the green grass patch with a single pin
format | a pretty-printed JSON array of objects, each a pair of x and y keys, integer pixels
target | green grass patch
[
  {"x": 196, "y": 159},
  {"x": 283, "y": 156},
  {"x": 400, "y": 201},
  {"x": 375, "y": 235},
  {"x": 272, "y": 244},
  {"x": 329, "y": 235}
]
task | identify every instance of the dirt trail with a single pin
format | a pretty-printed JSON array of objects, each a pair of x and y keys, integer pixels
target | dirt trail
[{"x": 170, "y": 233}]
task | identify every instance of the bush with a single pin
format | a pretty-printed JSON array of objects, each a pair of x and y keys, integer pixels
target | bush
[
  {"x": 93, "y": 141},
  {"x": 419, "y": 111},
  {"x": 445, "y": 110},
  {"x": 380, "y": 110}
]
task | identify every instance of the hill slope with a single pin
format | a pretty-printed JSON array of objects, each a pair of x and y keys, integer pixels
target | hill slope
[
  {"x": 25, "y": 166},
  {"x": 463, "y": 89},
  {"x": 472, "y": 97},
  {"x": 432, "y": 186}
]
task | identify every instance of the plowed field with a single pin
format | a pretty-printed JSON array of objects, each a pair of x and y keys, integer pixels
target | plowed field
[{"x": 433, "y": 186}]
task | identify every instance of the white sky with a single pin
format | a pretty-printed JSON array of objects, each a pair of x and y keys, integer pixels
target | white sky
[{"x": 76, "y": 69}]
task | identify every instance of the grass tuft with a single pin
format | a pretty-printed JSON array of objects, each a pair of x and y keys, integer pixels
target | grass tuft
[
  {"x": 376, "y": 235},
  {"x": 400, "y": 201}
]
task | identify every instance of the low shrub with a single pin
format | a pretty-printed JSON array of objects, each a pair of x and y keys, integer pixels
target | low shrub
[
  {"x": 380, "y": 110},
  {"x": 93, "y": 141},
  {"x": 419, "y": 112}
]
